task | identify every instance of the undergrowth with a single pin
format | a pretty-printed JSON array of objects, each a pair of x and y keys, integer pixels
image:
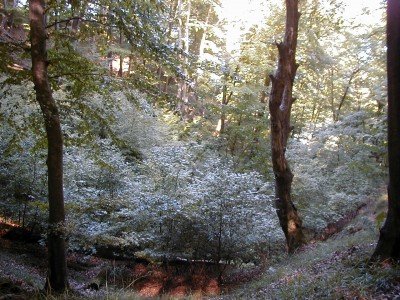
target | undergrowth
[{"x": 338, "y": 268}]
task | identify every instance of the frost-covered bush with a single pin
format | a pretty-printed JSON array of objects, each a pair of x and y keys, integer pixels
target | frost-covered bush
[
  {"x": 136, "y": 122},
  {"x": 22, "y": 160},
  {"x": 337, "y": 167},
  {"x": 207, "y": 210},
  {"x": 183, "y": 199}
]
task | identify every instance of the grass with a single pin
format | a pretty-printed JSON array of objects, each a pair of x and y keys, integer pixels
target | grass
[{"x": 337, "y": 268}]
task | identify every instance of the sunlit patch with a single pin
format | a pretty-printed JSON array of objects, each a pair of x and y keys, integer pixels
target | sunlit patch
[
  {"x": 16, "y": 67},
  {"x": 8, "y": 222},
  {"x": 240, "y": 15},
  {"x": 151, "y": 289},
  {"x": 212, "y": 287},
  {"x": 179, "y": 291},
  {"x": 291, "y": 226}
]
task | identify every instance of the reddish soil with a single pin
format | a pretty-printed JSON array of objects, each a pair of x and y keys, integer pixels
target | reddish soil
[
  {"x": 91, "y": 276},
  {"x": 177, "y": 280}
]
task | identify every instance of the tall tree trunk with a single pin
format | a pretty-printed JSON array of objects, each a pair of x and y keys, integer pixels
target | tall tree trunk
[
  {"x": 186, "y": 41},
  {"x": 179, "y": 26},
  {"x": 121, "y": 58},
  {"x": 203, "y": 39},
  {"x": 57, "y": 274},
  {"x": 185, "y": 86},
  {"x": 183, "y": 45},
  {"x": 389, "y": 240},
  {"x": 179, "y": 47},
  {"x": 224, "y": 102},
  {"x": 221, "y": 122},
  {"x": 280, "y": 105}
]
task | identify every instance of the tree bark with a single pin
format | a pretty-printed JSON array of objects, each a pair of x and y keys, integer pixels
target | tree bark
[
  {"x": 389, "y": 240},
  {"x": 280, "y": 104},
  {"x": 224, "y": 102},
  {"x": 183, "y": 46},
  {"x": 336, "y": 112},
  {"x": 121, "y": 58},
  {"x": 204, "y": 34},
  {"x": 57, "y": 273}
]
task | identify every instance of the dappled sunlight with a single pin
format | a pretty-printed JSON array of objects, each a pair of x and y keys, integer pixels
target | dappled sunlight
[
  {"x": 383, "y": 198},
  {"x": 381, "y": 208},
  {"x": 150, "y": 289},
  {"x": 8, "y": 222},
  {"x": 180, "y": 137},
  {"x": 176, "y": 281},
  {"x": 292, "y": 226}
]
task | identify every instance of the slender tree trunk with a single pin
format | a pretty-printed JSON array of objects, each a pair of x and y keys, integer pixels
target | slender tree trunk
[
  {"x": 110, "y": 59},
  {"x": 179, "y": 27},
  {"x": 345, "y": 93},
  {"x": 57, "y": 274},
  {"x": 221, "y": 122},
  {"x": 183, "y": 44},
  {"x": 280, "y": 105},
  {"x": 224, "y": 102},
  {"x": 121, "y": 66},
  {"x": 179, "y": 47},
  {"x": 185, "y": 87},
  {"x": 188, "y": 12},
  {"x": 130, "y": 64},
  {"x": 204, "y": 34},
  {"x": 173, "y": 7},
  {"x": 121, "y": 58},
  {"x": 389, "y": 240},
  {"x": 160, "y": 74}
]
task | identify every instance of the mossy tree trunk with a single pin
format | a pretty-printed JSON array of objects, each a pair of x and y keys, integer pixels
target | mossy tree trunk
[
  {"x": 57, "y": 274},
  {"x": 280, "y": 105},
  {"x": 389, "y": 240}
]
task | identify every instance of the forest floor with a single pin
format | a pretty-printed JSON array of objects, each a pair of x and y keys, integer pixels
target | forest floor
[
  {"x": 23, "y": 272},
  {"x": 336, "y": 268}
]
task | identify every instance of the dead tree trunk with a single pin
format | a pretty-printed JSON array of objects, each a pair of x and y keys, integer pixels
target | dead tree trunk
[
  {"x": 57, "y": 273},
  {"x": 389, "y": 240},
  {"x": 280, "y": 105}
]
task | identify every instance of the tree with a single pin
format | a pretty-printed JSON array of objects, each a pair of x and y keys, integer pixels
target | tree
[
  {"x": 389, "y": 240},
  {"x": 57, "y": 274},
  {"x": 280, "y": 105}
]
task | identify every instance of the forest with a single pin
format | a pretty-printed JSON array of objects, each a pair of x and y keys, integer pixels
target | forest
[{"x": 199, "y": 149}]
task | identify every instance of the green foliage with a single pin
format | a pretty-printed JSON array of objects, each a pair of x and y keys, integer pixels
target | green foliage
[
  {"x": 380, "y": 219},
  {"x": 336, "y": 168},
  {"x": 69, "y": 66},
  {"x": 142, "y": 175},
  {"x": 336, "y": 268}
]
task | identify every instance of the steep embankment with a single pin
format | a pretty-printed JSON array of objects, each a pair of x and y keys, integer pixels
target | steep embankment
[{"x": 336, "y": 268}]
